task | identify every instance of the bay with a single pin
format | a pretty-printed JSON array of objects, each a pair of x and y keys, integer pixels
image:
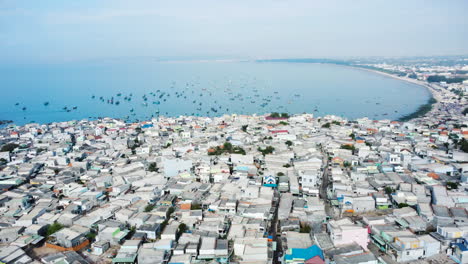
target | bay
[{"x": 62, "y": 92}]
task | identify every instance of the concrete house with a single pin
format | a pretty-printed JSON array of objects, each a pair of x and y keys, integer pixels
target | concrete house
[
  {"x": 458, "y": 251},
  {"x": 344, "y": 231},
  {"x": 213, "y": 248},
  {"x": 151, "y": 230},
  {"x": 72, "y": 236},
  {"x": 173, "y": 167}
]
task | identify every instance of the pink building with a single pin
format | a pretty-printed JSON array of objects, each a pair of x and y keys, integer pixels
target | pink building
[{"x": 344, "y": 231}]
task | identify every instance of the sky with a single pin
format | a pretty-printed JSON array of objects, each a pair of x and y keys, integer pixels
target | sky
[{"x": 56, "y": 31}]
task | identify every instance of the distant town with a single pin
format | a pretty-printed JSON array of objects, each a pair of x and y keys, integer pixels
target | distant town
[{"x": 267, "y": 189}]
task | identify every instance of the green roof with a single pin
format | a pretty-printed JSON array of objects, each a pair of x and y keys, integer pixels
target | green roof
[
  {"x": 378, "y": 240},
  {"x": 128, "y": 258}
]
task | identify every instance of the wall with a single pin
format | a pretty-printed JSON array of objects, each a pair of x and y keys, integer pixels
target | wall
[{"x": 75, "y": 248}]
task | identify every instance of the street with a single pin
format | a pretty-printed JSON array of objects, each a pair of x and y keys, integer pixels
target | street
[
  {"x": 324, "y": 187},
  {"x": 273, "y": 230}
]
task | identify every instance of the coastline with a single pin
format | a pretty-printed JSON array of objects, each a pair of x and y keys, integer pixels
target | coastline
[{"x": 423, "y": 110}]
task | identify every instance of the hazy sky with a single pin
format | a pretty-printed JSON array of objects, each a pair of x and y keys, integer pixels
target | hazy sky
[{"x": 56, "y": 30}]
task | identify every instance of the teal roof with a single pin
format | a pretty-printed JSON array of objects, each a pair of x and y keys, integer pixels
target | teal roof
[{"x": 304, "y": 253}]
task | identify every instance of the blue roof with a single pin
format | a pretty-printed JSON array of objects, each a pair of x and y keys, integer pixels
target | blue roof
[
  {"x": 305, "y": 253},
  {"x": 242, "y": 168},
  {"x": 147, "y": 125},
  {"x": 462, "y": 245}
]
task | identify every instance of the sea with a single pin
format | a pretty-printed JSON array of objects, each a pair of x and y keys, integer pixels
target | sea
[{"x": 133, "y": 90}]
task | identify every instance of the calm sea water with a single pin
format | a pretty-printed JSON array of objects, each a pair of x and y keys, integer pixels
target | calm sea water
[{"x": 47, "y": 93}]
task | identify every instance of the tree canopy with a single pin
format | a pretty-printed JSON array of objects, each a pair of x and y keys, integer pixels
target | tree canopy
[
  {"x": 9, "y": 147},
  {"x": 266, "y": 150}
]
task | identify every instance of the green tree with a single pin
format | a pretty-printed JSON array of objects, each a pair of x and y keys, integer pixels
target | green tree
[
  {"x": 195, "y": 206},
  {"x": 326, "y": 125},
  {"x": 182, "y": 229},
  {"x": 389, "y": 190},
  {"x": 288, "y": 143},
  {"x": 402, "y": 205},
  {"x": 244, "y": 128},
  {"x": 285, "y": 115},
  {"x": 464, "y": 145},
  {"x": 153, "y": 167},
  {"x": 446, "y": 145},
  {"x": 279, "y": 174},
  {"x": 305, "y": 228},
  {"x": 336, "y": 123},
  {"x": 412, "y": 76},
  {"x": 9, "y": 147},
  {"x": 132, "y": 232},
  {"x": 452, "y": 185},
  {"x": 267, "y": 150},
  {"x": 91, "y": 236},
  {"x": 465, "y": 111},
  {"x": 346, "y": 146},
  {"x": 51, "y": 229},
  {"x": 441, "y": 78},
  {"x": 39, "y": 150},
  {"x": 169, "y": 212},
  {"x": 226, "y": 148},
  {"x": 149, "y": 208}
]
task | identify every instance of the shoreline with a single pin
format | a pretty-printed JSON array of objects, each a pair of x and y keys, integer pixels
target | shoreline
[{"x": 424, "y": 109}]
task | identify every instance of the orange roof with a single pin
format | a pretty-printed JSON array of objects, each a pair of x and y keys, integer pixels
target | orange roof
[{"x": 433, "y": 175}]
